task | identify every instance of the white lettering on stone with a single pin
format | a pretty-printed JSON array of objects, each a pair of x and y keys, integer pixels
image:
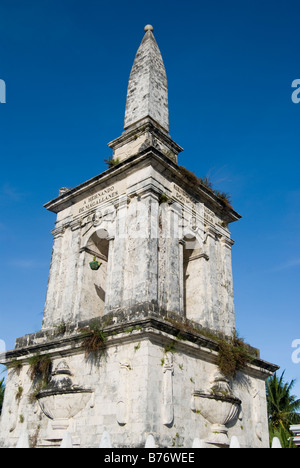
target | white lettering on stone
[{"x": 100, "y": 197}]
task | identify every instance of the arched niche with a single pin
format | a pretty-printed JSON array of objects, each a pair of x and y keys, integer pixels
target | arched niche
[
  {"x": 193, "y": 277},
  {"x": 95, "y": 281}
]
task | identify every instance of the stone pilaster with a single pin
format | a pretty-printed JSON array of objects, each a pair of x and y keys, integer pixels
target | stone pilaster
[
  {"x": 71, "y": 273},
  {"x": 227, "y": 285},
  {"x": 173, "y": 261},
  {"x": 119, "y": 254},
  {"x": 110, "y": 273},
  {"x": 212, "y": 283},
  {"x": 50, "y": 311}
]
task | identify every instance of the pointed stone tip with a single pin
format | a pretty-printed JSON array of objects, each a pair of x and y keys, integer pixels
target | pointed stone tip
[
  {"x": 147, "y": 92},
  {"x": 148, "y": 27}
]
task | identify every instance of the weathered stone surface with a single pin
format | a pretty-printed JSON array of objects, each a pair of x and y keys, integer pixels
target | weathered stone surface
[
  {"x": 183, "y": 258},
  {"x": 155, "y": 390},
  {"x": 147, "y": 93},
  {"x": 67, "y": 441},
  {"x": 165, "y": 251}
]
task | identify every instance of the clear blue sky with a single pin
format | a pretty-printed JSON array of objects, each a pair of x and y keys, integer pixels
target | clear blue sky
[{"x": 230, "y": 66}]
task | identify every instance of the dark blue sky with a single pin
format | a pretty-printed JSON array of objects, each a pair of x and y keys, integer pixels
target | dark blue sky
[{"x": 230, "y": 67}]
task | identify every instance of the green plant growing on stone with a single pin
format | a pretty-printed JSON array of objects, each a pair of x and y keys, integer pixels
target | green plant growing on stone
[
  {"x": 40, "y": 368},
  {"x": 15, "y": 366},
  {"x": 37, "y": 389},
  {"x": 206, "y": 182},
  {"x": 223, "y": 197},
  {"x": 164, "y": 198},
  {"x": 111, "y": 162},
  {"x": 19, "y": 393},
  {"x": 137, "y": 347},
  {"x": 93, "y": 340},
  {"x": 175, "y": 439},
  {"x": 233, "y": 355},
  {"x": 180, "y": 337},
  {"x": 60, "y": 329},
  {"x": 170, "y": 348}
]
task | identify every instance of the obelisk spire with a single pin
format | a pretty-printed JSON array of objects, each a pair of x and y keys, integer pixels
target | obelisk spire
[
  {"x": 146, "y": 123},
  {"x": 147, "y": 94}
]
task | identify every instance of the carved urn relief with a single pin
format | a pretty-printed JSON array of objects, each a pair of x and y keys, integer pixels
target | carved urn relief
[
  {"x": 61, "y": 400},
  {"x": 219, "y": 407}
]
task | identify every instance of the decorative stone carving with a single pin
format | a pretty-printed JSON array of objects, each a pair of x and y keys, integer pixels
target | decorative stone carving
[
  {"x": 168, "y": 407},
  {"x": 61, "y": 400},
  {"x": 219, "y": 407},
  {"x": 122, "y": 405}
]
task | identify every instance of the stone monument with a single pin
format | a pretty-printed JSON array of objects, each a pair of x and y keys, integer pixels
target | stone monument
[{"x": 138, "y": 336}]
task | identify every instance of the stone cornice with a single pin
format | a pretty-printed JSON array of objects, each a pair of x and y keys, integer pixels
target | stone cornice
[
  {"x": 58, "y": 232},
  {"x": 145, "y": 125},
  {"x": 150, "y": 156},
  {"x": 141, "y": 322}
]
